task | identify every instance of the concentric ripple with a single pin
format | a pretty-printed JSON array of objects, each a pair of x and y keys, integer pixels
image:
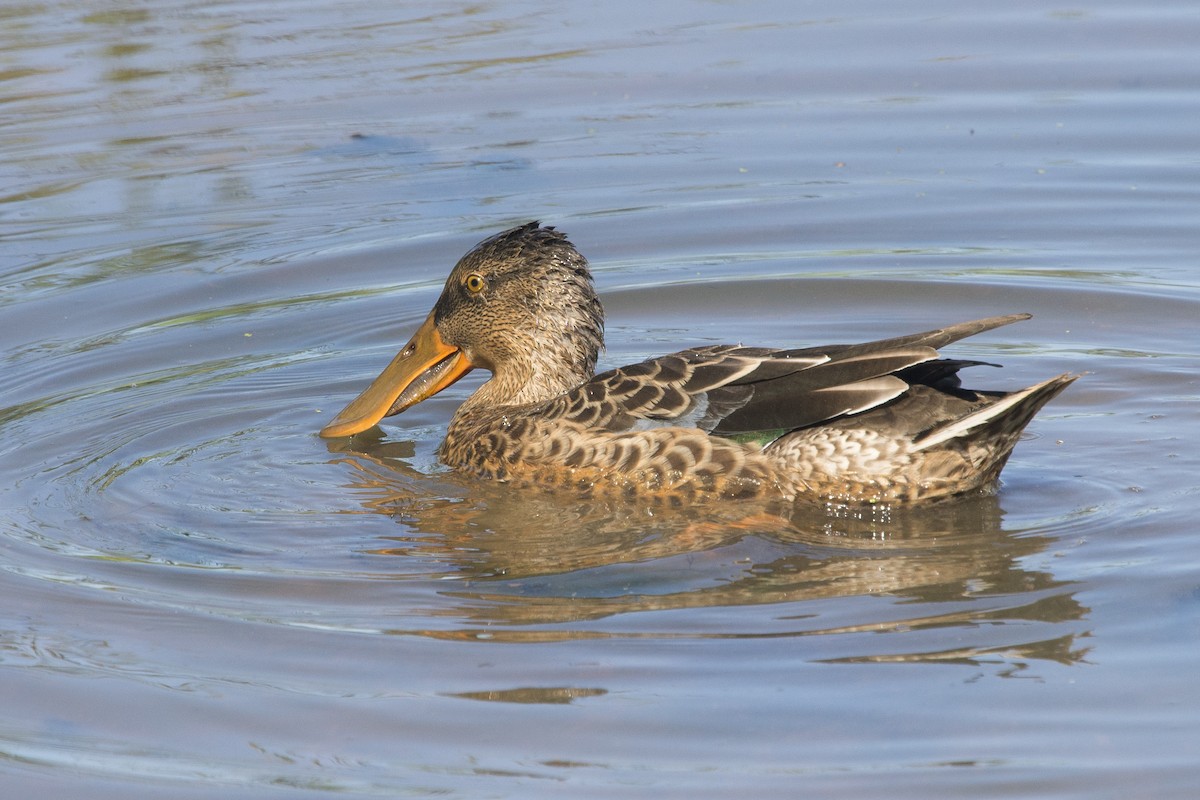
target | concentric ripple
[{"x": 175, "y": 462}]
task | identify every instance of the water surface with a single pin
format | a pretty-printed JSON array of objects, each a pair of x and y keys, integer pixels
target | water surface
[{"x": 219, "y": 220}]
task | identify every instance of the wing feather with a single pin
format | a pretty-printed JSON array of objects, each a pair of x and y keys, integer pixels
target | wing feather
[{"x": 733, "y": 390}]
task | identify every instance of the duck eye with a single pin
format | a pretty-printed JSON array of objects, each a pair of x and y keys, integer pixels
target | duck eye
[{"x": 475, "y": 283}]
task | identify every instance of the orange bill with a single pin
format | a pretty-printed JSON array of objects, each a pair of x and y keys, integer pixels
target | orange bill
[{"x": 423, "y": 368}]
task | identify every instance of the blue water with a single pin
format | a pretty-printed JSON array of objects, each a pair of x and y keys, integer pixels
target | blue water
[{"x": 219, "y": 221}]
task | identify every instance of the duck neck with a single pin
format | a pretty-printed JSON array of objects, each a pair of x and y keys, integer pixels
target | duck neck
[{"x": 535, "y": 379}]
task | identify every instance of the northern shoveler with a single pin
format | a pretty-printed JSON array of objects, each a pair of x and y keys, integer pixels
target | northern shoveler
[{"x": 884, "y": 421}]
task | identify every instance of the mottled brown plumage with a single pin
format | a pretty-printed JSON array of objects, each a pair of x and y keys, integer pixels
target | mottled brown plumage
[{"x": 883, "y": 421}]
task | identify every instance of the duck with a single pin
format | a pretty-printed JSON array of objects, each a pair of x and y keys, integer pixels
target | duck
[{"x": 885, "y": 421}]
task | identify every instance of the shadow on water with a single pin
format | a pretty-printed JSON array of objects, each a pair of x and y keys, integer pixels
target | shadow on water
[{"x": 528, "y": 566}]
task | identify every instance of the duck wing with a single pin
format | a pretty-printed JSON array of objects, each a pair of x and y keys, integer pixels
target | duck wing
[{"x": 731, "y": 390}]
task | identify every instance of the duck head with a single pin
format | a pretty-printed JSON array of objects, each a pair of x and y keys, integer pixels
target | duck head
[{"x": 521, "y": 305}]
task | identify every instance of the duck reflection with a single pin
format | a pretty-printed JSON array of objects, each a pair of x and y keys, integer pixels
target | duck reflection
[{"x": 530, "y": 565}]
